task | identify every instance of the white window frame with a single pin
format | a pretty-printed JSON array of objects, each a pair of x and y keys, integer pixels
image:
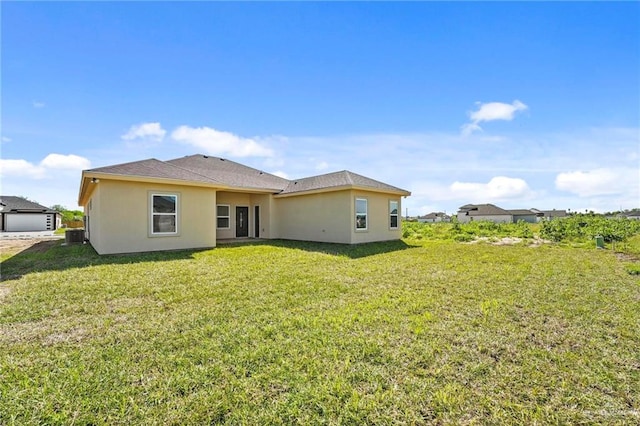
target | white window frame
[
  {"x": 366, "y": 214},
  {"x": 228, "y": 216},
  {"x": 396, "y": 214},
  {"x": 152, "y": 213}
]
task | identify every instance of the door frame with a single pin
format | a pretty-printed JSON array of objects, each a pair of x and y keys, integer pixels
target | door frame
[{"x": 256, "y": 221}]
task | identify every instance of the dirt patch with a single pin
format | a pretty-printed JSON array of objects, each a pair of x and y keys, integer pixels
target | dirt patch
[
  {"x": 49, "y": 332},
  {"x": 73, "y": 335},
  {"x": 625, "y": 257},
  {"x": 33, "y": 245},
  {"x": 509, "y": 241}
]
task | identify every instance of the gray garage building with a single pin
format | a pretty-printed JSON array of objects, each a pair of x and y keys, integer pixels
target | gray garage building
[{"x": 18, "y": 214}]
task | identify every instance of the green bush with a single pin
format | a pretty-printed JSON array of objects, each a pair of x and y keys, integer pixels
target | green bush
[
  {"x": 580, "y": 228},
  {"x": 585, "y": 227}
]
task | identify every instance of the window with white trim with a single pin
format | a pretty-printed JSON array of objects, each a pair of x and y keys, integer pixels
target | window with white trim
[
  {"x": 393, "y": 214},
  {"x": 164, "y": 214},
  {"x": 361, "y": 214},
  {"x": 223, "y": 214}
]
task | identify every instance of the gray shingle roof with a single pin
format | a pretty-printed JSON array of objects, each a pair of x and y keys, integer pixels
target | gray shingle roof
[
  {"x": 231, "y": 173},
  {"x": 12, "y": 203},
  {"x": 483, "y": 210},
  {"x": 154, "y": 168},
  {"x": 215, "y": 170},
  {"x": 338, "y": 179}
]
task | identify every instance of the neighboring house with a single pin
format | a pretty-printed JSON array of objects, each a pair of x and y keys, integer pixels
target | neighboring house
[
  {"x": 195, "y": 201},
  {"x": 550, "y": 214},
  {"x": 492, "y": 213},
  {"x": 489, "y": 212},
  {"x": 554, "y": 214},
  {"x": 18, "y": 214},
  {"x": 633, "y": 215},
  {"x": 434, "y": 217},
  {"x": 525, "y": 215}
]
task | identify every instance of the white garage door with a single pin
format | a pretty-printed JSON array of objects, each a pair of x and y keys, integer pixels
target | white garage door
[{"x": 28, "y": 222}]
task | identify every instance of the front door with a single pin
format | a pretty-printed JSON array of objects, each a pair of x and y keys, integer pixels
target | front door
[{"x": 242, "y": 222}]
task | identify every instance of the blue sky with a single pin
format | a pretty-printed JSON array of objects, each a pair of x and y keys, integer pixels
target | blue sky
[{"x": 518, "y": 104}]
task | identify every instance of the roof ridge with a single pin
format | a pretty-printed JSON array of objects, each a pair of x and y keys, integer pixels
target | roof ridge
[
  {"x": 349, "y": 177},
  {"x": 225, "y": 159}
]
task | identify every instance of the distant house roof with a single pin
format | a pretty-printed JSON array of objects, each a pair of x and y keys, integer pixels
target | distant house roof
[
  {"x": 225, "y": 173},
  {"x": 554, "y": 213},
  {"x": 632, "y": 213},
  {"x": 483, "y": 210},
  {"x": 433, "y": 215},
  {"x": 9, "y": 203}
]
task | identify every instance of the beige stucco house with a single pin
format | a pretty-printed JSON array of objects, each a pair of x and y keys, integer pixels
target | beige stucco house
[{"x": 195, "y": 201}]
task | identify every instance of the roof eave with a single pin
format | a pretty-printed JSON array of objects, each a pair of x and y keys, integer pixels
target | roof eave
[
  {"x": 252, "y": 190},
  {"x": 88, "y": 175},
  {"x": 399, "y": 192}
]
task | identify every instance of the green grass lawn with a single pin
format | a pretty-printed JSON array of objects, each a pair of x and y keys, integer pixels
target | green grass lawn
[{"x": 429, "y": 332}]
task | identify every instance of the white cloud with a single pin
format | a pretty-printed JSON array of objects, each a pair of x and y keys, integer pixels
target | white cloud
[
  {"x": 6, "y": 139},
  {"x": 216, "y": 142},
  {"x": 603, "y": 181},
  {"x": 68, "y": 162},
  {"x": 145, "y": 131},
  {"x": 52, "y": 162},
  {"x": 497, "y": 111},
  {"x": 38, "y": 104},
  {"x": 498, "y": 188},
  {"x": 469, "y": 128},
  {"x": 492, "y": 111},
  {"x": 21, "y": 168},
  {"x": 323, "y": 165}
]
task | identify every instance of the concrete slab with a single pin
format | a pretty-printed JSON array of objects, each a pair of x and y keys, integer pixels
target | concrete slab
[{"x": 30, "y": 235}]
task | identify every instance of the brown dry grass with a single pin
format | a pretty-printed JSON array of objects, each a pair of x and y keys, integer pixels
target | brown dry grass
[{"x": 33, "y": 245}]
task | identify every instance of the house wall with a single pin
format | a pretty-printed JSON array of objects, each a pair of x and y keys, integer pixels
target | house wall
[
  {"x": 265, "y": 201},
  {"x": 378, "y": 212},
  {"x": 324, "y": 217},
  {"x": 241, "y": 199},
  {"x": 430, "y": 220},
  {"x": 526, "y": 218},
  {"x": 462, "y": 218},
  {"x": 92, "y": 218},
  {"x": 120, "y": 218},
  {"x": 234, "y": 199},
  {"x": 330, "y": 217}
]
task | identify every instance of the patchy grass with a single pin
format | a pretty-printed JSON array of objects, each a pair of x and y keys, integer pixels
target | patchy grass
[{"x": 282, "y": 332}]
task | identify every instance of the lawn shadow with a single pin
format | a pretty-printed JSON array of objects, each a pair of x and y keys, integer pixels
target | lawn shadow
[
  {"x": 54, "y": 255},
  {"x": 57, "y": 256},
  {"x": 352, "y": 251}
]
